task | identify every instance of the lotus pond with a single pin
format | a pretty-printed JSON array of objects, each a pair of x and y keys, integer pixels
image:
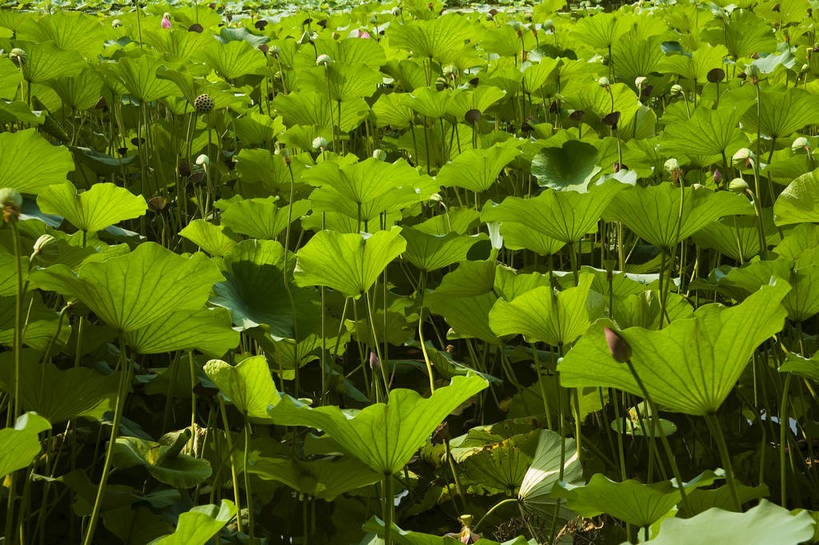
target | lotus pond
[{"x": 409, "y": 273}]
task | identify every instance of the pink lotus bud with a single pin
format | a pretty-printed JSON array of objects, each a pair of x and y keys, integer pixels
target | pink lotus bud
[
  {"x": 166, "y": 21},
  {"x": 363, "y": 34},
  {"x": 619, "y": 348}
]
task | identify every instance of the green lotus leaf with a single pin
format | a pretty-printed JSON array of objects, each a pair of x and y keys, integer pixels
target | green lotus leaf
[
  {"x": 312, "y": 108},
  {"x": 569, "y": 167},
  {"x": 431, "y": 252},
  {"x": 209, "y": 237},
  {"x": 324, "y": 478},
  {"x": 541, "y": 315},
  {"x": 8, "y": 273},
  {"x": 43, "y": 322},
  {"x": 562, "y": 215},
  {"x": 348, "y": 263},
  {"x": 260, "y": 218},
  {"x": 765, "y": 524},
  {"x": 500, "y": 467},
  {"x": 442, "y": 38},
  {"x": 695, "y": 67},
  {"x": 352, "y": 51},
  {"x": 477, "y": 169},
  {"x": 138, "y": 78},
  {"x": 10, "y": 78},
  {"x": 235, "y": 59},
  {"x": 394, "y": 109},
  {"x": 47, "y": 62},
  {"x": 602, "y": 30},
  {"x": 465, "y": 297},
  {"x": 375, "y": 435},
  {"x": 799, "y": 202},
  {"x": 480, "y": 98},
  {"x": 340, "y": 81},
  {"x": 130, "y": 291},
  {"x": 517, "y": 236},
  {"x": 635, "y": 55},
  {"x": 80, "y": 92},
  {"x": 254, "y": 287},
  {"x": 737, "y": 236},
  {"x": 20, "y": 445},
  {"x": 430, "y": 102},
  {"x": 363, "y": 190},
  {"x": 630, "y": 501},
  {"x": 102, "y": 205},
  {"x": 801, "y": 366},
  {"x": 30, "y": 164},
  {"x": 802, "y": 275},
  {"x": 176, "y": 44},
  {"x": 57, "y": 394},
  {"x": 743, "y": 33},
  {"x": 164, "y": 463},
  {"x": 652, "y": 212},
  {"x": 248, "y": 385},
  {"x": 783, "y": 112},
  {"x": 679, "y": 379},
  {"x": 536, "y": 489},
  {"x": 199, "y": 525},
  {"x": 709, "y": 134},
  {"x": 69, "y": 30},
  {"x": 206, "y": 330},
  {"x": 408, "y": 537}
]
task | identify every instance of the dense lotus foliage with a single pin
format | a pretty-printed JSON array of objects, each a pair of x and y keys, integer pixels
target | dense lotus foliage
[{"x": 409, "y": 273}]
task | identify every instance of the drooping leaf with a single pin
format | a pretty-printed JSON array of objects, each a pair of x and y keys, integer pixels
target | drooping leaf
[
  {"x": 248, "y": 385},
  {"x": 569, "y": 167},
  {"x": 477, "y": 169},
  {"x": 261, "y": 218},
  {"x": 20, "y": 444},
  {"x": 545, "y": 470},
  {"x": 165, "y": 465},
  {"x": 197, "y": 526},
  {"x": 206, "y": 330},
  {"x": 323, "y": 478},
  {"x": 209, "y": 237},
  {"x": 429, "y": 252},
  {"x": 799, "y": 202}
]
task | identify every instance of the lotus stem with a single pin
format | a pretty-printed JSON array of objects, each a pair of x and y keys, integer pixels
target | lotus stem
[
  {"x": 248, "y": 493},
  {"x": 716, "y": 430},
  {"x": 233, "y": 474},
  {"x": 122, "y": 393}
]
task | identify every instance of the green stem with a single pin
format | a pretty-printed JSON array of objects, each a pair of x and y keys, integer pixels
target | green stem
[
  {"x": 233, "y": 474},
  {"x": 124, "y": 380},
  {"x": 783, "y": 427},
  {"x": 248, "y": 494},
  {"x": 719, "y": 437},
  {"x": 388, "y": 508}
]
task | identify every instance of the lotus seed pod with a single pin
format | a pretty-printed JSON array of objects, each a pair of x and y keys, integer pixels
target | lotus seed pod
[
  {"x": 618, "y": 347},
  {"x": 472, "y": 116},
  {"x": 671, "y": 165},
  {"x": 752, "y": 71},
  {"x": 676, "y": 89},
  {"x": 319, "y": 143},
  {"x": 335, "y": 35},
  {"x": 42, "y": 242},
  {"x": 116, "y": 23},
  {"x": 306, "y": 38},
  {"x": 203, "y": 160},
  {"x": 379, "y": 154},
  {"x": 323, "y": 60},
  {"x": 548, "y": 26},
  {"x": 639, "y": 81},
  {"x": 738, "y": 185},
  {"x": 716, "y": 75},
  {"x": 203, "y": 104},
  {"x": 611, "y": 119},
  {"x": 603, "y": 82},
  {"x": 800, "y": 144},
  {"x": 742, "y": 157},
  {"x": 157, "y": 203},
  {"x": 18, "y": 56}
]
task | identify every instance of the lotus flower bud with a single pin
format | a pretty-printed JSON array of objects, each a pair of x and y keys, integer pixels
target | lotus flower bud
[
  {"x": 42, "y": 242},
  {"x": 319, "y": 143},
  {"x": 285, "y": 155},
  {"x": 676, "y": 89},
  {"x": 396, "y": 11},
  {"x": 18, "y": 56},
  {"x": 11, "y": 201},
  {"x": 603, "y": 82},
  {"x": 717, "y": 176},
  {"x": 203, "y": 161},
  {"x": 618, "y": 347},
  {"x": 116, "y": 23},
  {"x": 379, "y": 154},
  {"x": 742, "y": 158},
  {"x": 671, "y": 165},
  {"x": 800, "y": 144},
  {"x": 323, "y": 60},
  {"x": 639, "y": 81},
  {"x": 738, "y": 185},
  {"x": 548, "y": 26},
  {"x": 374, "y": 361},
  {"x": 166, "y": 21}
]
